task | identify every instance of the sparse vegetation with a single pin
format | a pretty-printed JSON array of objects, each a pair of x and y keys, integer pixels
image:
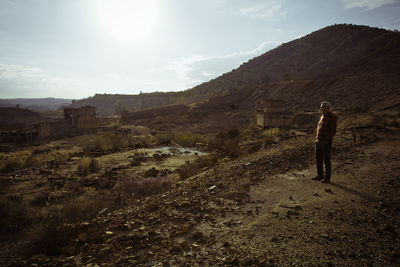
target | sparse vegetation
[
  {"x": 195, "y": 167},
  {"x": 226, "y": 143},
  {"x": 144, "y": 186},
  {"x": 87, "y": 165},
  {"x": 187, "y": 139},
  {"x": 113, "y": 141}
]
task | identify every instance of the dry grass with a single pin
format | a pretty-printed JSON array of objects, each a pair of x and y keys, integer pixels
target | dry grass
[
  {"x": 14, "y": 161},
  {"x": 87, "y": 165},
  {"x": 197, "y": 166},
  {"x": 144, "y": 186}
]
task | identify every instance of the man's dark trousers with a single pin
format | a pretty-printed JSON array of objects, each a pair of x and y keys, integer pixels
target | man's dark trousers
[{"x": 323, "y": 156}]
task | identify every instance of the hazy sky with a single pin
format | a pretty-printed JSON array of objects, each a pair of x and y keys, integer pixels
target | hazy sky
[{"x": 76, "y": 48}]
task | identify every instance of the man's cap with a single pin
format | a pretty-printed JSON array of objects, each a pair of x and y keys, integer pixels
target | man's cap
[{"x": 326, "y": 103}]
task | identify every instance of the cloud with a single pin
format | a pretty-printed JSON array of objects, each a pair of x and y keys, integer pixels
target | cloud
[
  {"x": 366, "y": 4},
  {"x": 262, "y": 10},
  {"x": 27, "y": 81},
  {"x": 196, "y": 69}
]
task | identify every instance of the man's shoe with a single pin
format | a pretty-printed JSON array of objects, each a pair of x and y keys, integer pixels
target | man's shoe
[
  {"x": 326, "y": 181},
  {"x": 317, "y": 178}
]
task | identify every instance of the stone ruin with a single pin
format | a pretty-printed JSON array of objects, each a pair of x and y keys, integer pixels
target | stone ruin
[
  {"x": 76, "y": 121},
  {"x": 273, "y": 115}
]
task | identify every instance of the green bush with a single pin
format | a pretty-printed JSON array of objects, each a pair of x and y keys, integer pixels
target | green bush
[
  {"x": 164, "y": 138},
  {"x": 188, "y": 139}
]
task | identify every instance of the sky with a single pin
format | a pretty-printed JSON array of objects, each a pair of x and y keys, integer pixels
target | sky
[{"x": 77, "y": 48}]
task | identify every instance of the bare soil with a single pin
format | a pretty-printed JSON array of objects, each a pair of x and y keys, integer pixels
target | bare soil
[{"x": 261, "y": 209}]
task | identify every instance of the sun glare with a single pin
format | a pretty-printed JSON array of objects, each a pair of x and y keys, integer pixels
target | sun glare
[{"x": 128, "y": 20}]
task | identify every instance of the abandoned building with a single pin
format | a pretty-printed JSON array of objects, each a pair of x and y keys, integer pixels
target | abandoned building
[
  {"x": 76, "y": 121},
  {"x": 273, "y": 115},
  {"x": 49, "y": 129},
  {"x": 19, "y": 136},
  {"x": 81, "y": 120}
]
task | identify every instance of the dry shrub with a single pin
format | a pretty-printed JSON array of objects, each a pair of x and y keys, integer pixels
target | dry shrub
[
  {"x": 227, "y": 143},
  {"x": 111, "y": 142},
  {"x": 251, "y": 132},
  {"x": 83, "y": 209},
  {"x": 51, "y": 234},
  {"x": 188, "y": 139},
  {"x": 56, "y": 230},
  {"x": 195, "y": 167},
  {"x": 14, "y": 161},
  {"x": 164, "y": 138},
  {"x": 87, "y": 165},
  {"x": 145, "y": 186}
]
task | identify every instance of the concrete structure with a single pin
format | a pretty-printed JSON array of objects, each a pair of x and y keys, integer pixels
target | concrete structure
[
  {"x": 81, "y": 120},
  {"x": 273, "y": 115},
  {"x": 48, "y": 129},
  {"x": 21, "y": 136},
  {"x": 76, "y": 121}
]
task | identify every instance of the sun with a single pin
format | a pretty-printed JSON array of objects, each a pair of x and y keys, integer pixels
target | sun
[{"x": 127, "y": 20}]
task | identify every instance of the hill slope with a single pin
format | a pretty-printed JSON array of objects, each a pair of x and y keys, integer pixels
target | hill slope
[
  {"x": 352, "y": 66},
  {"x": 346, "y": 64}
]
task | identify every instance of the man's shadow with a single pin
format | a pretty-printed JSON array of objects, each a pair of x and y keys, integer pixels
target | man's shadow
[{"x": 354, "y": 192}]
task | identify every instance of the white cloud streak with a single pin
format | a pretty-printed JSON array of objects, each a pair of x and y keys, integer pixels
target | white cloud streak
[
  {"x": 366, "y": 4},
  {"x": 198, "y": 68}
]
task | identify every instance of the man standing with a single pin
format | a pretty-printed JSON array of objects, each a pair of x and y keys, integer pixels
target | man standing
[{"x": 325, "y": 131}]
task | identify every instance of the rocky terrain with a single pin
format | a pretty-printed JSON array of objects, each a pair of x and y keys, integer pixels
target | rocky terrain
[{"x": 261, "y": 209}]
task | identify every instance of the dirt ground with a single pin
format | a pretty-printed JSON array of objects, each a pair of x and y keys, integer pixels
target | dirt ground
[{"x": 261, "y": 209}]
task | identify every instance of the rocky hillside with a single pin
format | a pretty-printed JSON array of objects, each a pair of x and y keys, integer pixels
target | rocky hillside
[
  {"x": 352, "y": 66},
  {"x": 355, "y": 67}
]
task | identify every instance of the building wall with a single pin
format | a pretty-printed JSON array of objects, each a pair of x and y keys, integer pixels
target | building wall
[
  {"x": 269, "y": 120},
  {"x": 81, "y": 120},
  {"x": 52, "y": 129}
]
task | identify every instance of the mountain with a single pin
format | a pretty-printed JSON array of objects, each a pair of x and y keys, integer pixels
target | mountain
[
  {"x": 354, "y": 67},
  {"x": 36, "y": 104}
]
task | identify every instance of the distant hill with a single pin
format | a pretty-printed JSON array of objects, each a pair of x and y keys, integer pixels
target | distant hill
[
  {"x": 354, "y": 67},
  {"x": 108, "y": 104},
  {"x": 36, "y": 104},
  {"x": 17, "y": 116}
]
